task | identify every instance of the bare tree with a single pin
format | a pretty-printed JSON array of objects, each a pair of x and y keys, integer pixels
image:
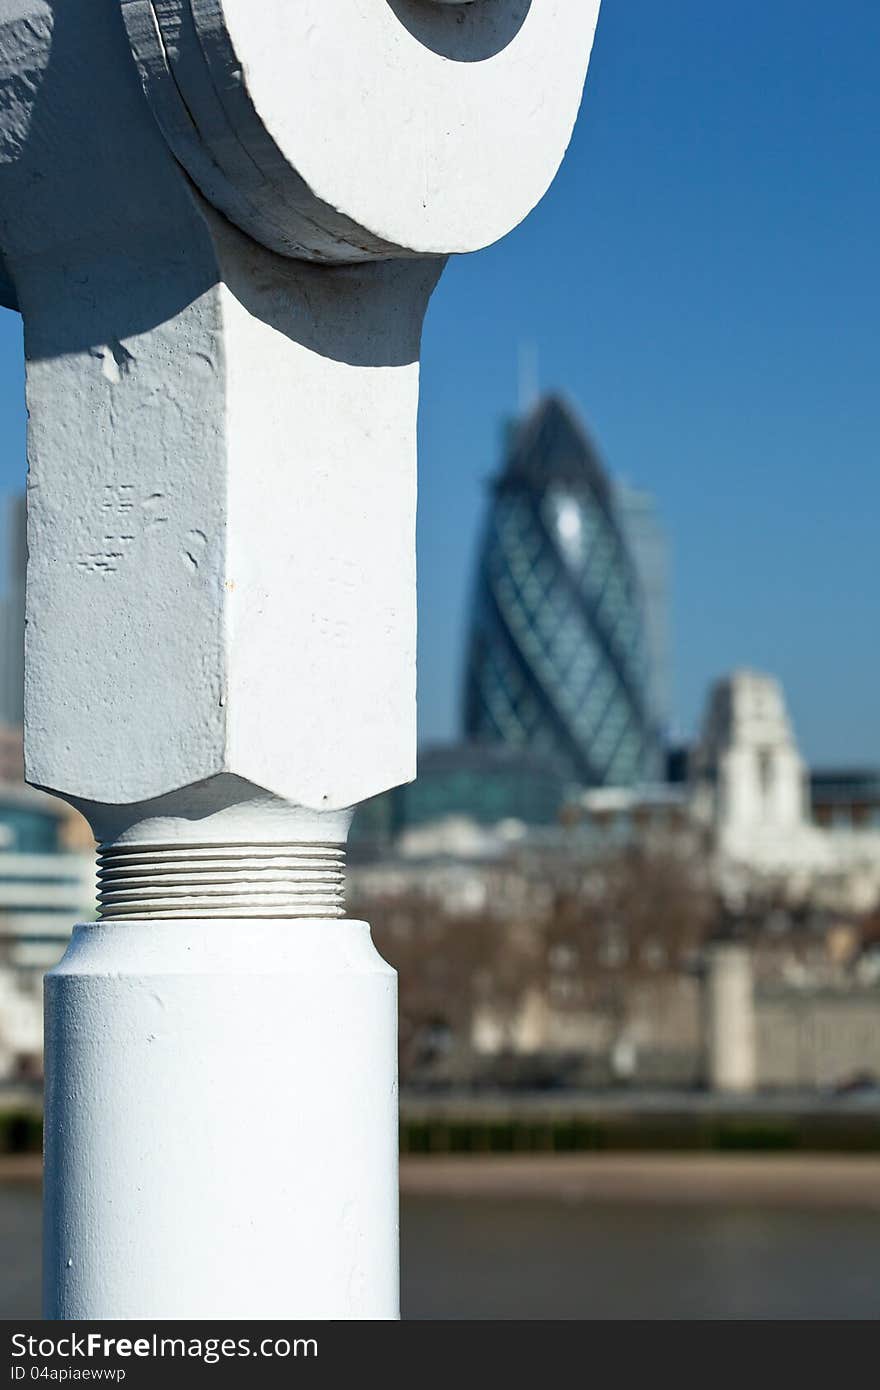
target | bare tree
[
  {"x": 447, "y": 964},
  {"x": 586, "y": 936}
]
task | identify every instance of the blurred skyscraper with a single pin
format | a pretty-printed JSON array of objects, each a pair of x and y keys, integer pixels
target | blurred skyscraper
[
  {"x": 560, "y": 656},
  {"x": 649, "y": 548},
  {"x": 12, "y": 613}
]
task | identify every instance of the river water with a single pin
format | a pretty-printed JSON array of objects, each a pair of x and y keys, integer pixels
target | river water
[{"x": 548, "y": 1257}]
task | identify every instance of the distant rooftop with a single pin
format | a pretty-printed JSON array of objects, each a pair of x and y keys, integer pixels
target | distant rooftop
[{"x": 845, "y": 784}]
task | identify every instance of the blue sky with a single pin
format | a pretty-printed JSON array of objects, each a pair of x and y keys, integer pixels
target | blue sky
[{"x": 702, "y": 281}]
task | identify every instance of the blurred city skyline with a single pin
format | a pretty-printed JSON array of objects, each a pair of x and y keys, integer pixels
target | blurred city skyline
[{"x": 701, "y": 283}]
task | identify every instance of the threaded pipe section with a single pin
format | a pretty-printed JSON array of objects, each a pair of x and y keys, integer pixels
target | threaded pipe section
[{"x": 245, "y": 880}]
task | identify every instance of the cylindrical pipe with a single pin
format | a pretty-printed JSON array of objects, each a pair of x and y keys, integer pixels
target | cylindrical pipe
[{"x": 221, "y": 1122}]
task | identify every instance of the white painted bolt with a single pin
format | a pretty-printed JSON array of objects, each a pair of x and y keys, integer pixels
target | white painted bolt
[{"x": 223, "y": 304}]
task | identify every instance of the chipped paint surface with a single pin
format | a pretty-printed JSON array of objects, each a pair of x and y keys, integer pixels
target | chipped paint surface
[
  {"x": 222, "y": 384},
  {"x": 282, "y": 114},
  {"x": 240, "y": 1011}
]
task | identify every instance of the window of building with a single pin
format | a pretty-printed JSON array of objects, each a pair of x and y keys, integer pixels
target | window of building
[{"x": 765, "y": 772}]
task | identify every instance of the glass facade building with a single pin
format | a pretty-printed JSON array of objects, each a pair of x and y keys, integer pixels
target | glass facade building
[
  {"x": 12, "y": 614},
  {"x": 558, "y": 659},
  {"x": 485, "y": 783},
  {"x": 648, "y": 545}
]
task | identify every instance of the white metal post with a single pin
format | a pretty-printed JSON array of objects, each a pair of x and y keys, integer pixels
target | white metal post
[{"x": 222, "y": 223}]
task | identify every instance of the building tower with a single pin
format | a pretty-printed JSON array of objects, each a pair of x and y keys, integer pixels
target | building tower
[
  {"x": 648, "y": 545},
  {"x": 12, "y": 614},
  {"x": 558, "y": 660},
  {"x": 749, "y": 781}
]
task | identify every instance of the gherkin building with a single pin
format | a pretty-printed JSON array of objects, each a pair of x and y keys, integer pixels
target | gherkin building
[{"x": 557, "y": 656}]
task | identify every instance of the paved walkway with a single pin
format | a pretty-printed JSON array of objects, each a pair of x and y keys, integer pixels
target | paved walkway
[{"x": 801, "y": 1180}]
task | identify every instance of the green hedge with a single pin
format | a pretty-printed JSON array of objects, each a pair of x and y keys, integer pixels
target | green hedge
[
  {"x": 686, "y": 1133},
  {"x": 21, "y": 1132}
]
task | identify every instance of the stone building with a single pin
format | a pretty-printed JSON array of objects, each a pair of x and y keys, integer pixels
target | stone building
[
  {"x": 773, "y": 828},
  {"x": 45, "y": 886}
]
